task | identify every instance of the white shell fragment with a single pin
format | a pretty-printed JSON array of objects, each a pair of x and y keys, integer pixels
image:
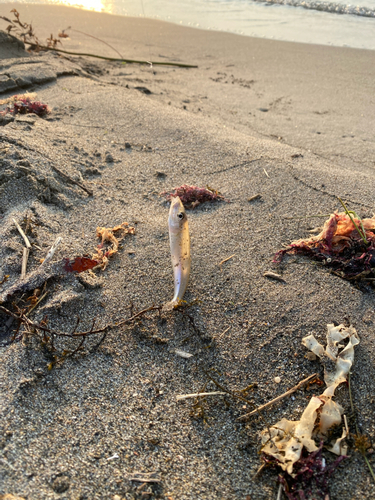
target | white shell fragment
[
  {"x": 183, "y": 354},
  {"x": 286, "y": 438}
]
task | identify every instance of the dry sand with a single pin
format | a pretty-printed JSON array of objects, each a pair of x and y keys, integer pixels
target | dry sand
[{"x": 82, "y": 429}]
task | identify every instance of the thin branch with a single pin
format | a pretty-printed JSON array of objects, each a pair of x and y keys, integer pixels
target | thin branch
[
  {"x": 287, "y": 393},
  {"x": 225, "y": 260},
  {"x": 88, "y": 191},
  {"x": 130, "y": 61},
  {"x": 25, "y": 238},
  {"x": 25, "y": 258},
  {"x": 199, "y": 395}
]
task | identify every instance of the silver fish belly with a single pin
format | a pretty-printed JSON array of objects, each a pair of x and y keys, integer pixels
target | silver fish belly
[{"x": 180, "y": 249}]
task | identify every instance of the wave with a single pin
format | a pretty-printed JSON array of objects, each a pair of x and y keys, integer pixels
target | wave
[{"x": 331, "y": 7}]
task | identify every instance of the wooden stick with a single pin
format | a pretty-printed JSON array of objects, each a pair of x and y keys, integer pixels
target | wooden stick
[
  {"x": 88, "y": 191},
  {"x": 25, "y": 257},
  {"x": 226, "y": 260},
  {"x": 199, "y": 395},
  {"x": 282, "y": 396}
]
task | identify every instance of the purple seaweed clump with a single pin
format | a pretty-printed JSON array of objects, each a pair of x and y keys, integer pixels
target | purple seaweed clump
[{"x": 192, "y": 196}]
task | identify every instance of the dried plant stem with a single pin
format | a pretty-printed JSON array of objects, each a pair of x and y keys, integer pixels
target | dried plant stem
[
  {"x": 226, "y": 260},
  {"x": 95, "y": 38},
  {"x": 199, "y": 395},
  {"x": 25, "y": 238},
  {"x": 282, "y": 396},
  {"x": 88, "y": 191},
  {"x": 130, "y": 61},
  {"x": 25, "y": 257}
]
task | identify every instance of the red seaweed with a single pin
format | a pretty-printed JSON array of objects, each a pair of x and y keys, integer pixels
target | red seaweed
[
  {"x": 23, "y": 104},
  {"x": 310, "y": 475},
  {"x": 340, "y": 247},
  {"x": 79, "y": 264},
  {"x": 192, "y": 196}
]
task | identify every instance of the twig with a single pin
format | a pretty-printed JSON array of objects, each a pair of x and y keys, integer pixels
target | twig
[
  {"x": 36, "y": 304},
  {"x": 225, "y": 260},
  {"x": 287, "y": 393},
  {"x": 88, "y": 191},
  {"x": 25, "y": 238},
  {"x": 199, "y": 395},
  {"x": 51, "y": 252},
  {"x": 131, "y": 61},
  {"x": 265, "y": 171},
  {"x": 25, "y": 257}
]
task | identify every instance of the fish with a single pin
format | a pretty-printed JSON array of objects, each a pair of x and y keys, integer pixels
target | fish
[{"x": 180, "y": 250}]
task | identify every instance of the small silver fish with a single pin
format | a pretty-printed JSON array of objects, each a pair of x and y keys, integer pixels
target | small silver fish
[{"x": 180, "y": 249}]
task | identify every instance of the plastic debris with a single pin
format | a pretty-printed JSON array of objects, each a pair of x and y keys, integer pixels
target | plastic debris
[
  {"x": 192, "y": 196},
  {"x": 286, "y": 440},
  {"x": 340, "y": 246}
]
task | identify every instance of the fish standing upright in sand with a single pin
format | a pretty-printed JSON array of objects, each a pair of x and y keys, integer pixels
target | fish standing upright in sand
[{"x": 180, "y": 250}]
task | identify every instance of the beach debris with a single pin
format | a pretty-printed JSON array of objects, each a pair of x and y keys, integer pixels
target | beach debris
[
  {"x": 80, "y": 264},
  {"x": 183, "y": 354},
  {"x": 180, "y": 251},
  {"x": 225, "y": 260},
  {"x": 255, "y": 197},
  {"x": 107, "y": 235},
  {"x": 192, "y": 196},
  {"x": 291, "y": 444},
  {"x": 24, "y": 104},
  {"x": 200, "y": 395},
  {"x": 278, "y": 398},
  {"x": 26, "y": 249},
  {"x": 68, "y": 178},
  {"x": 145, "y": 477},
  {"x": 274, "y": 276},
  {"x": 346, "y": 244}
]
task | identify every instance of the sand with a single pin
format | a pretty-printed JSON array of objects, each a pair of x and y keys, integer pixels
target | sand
[{"x": 291, "y": 122}]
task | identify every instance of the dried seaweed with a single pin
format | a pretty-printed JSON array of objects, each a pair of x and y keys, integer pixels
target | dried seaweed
[
  {"x": 346, "y": 244},
  {"x": 192, "y": 196},
  {"x": 106, "y": 234},
  {"x": 24, "y": 104}
]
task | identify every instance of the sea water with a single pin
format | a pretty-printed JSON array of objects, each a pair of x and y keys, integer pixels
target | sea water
[{"x": 309, "y": 21}]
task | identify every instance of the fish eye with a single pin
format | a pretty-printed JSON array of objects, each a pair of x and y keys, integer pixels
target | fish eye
[{"x": 180, "y": 215}]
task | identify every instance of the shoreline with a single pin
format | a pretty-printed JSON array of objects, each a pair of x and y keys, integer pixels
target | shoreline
[{"x": 299, "y": 25}]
